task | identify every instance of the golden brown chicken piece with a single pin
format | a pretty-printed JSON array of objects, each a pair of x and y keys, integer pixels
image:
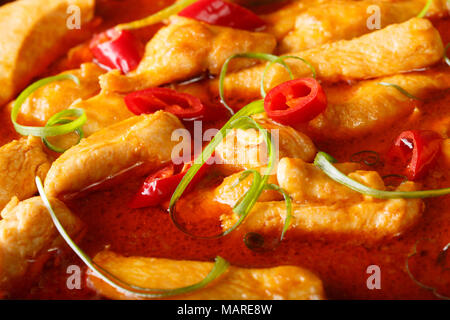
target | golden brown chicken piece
[
  {"x": 184, "y": 49},
  {"x": 282, "y": 21},
  {"x": 59, "y": 95},
  {"x": 397, "y": 48},
  {"x": 33, "y": 35},
  {"x": 230, "y": 191},
  {"x": 144, "y": 139},
  {"x": 368, "y": 107},
  {"x": 306, "y": 183},
  {"x": 365, "y": 221},
  {"x": 286, "y": 282},
  {"x": 103, "y": 110},
  {"x": 246, "y": 149},
  {"x": 338, "y": 20},
  {"x": 27, "y": 233},
  {"x": 20, "y": 162}
]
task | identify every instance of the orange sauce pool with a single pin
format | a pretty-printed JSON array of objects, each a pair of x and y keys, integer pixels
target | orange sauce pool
[{"x": 342, "y": 268}]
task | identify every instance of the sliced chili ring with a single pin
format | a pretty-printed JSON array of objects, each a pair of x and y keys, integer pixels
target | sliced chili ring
[
  {"x": 183, "y": 105},
  {"x": 159, "y": 186},
  {"x": 296, "y": 101},
  {"x": 417, "y": 149},
  {"x": 222, "y": 13},
  {"x": 117, "y": 49}
]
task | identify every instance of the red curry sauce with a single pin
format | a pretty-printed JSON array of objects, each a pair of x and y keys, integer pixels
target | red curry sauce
[{"x": 342, "y": 267}]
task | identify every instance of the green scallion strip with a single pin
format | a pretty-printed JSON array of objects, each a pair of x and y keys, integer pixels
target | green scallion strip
[
  {"x": 253, "y": 188},
  {"x": 425, "y": 9},
  {"x": 248, "y": 55},
  {"x": 281, "y": 60},
  {"x": 420, "y": 284},
  {"x": 323, "y": 161},
  {"x": 288, "y": 201},
  {"x": 49, "y": 130},
  {"x": 242, "y": 177},
  {"x": 403, "y": 91},
  {"x": 446, "y": 58},
  {"x": 158, "y": 16},
  {"x": 240, "y": 120},
  {"x": 220, "y": 266},
  {"x": 59, "y": 119}
]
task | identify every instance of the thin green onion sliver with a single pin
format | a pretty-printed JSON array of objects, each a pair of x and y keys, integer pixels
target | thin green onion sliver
[
  {"x": 252, "y": 108},
  {"x": 288, "y": 201},
  {"x": 322, "y": 161},
  {"x": 281, "y": 61},
  {"x": 51, "y": 146},
  {"x": 249, "y": 55},
  {"x": 220, "y": 266},
  {"x": 425, "y": 9},
  {"x": 48, "y": 131},
  {"x": 253, "y": 188},
  {"x": 157, "y": 17},
  {"x": 400, "y": 89},
  {"x": 240, "y": 120}
]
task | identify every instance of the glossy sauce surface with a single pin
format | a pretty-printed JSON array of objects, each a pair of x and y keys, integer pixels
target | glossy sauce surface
[{"x": 342, "y": 268}]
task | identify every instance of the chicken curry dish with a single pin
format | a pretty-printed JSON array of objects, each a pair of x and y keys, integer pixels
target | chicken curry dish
[{"x": 225, "y": 149}]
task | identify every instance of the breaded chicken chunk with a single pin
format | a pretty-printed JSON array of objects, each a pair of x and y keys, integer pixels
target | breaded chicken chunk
[
  {"x": 145, "y": 140},
  {"x": 59, "y": 95},
  {"x": 285, "y": 282},
  {"x": 246, "y": 149},
  {"x": 282, "y": 21},
  {"x": 184, "y": 49},
  {"x": 33, "y": 35},
  {"x": 323, "y": 208},
  {"x": 103, "y": 110},
  {"x": 20, "y": 162},
  {"x": 27, "y": 233},
  {"x": 306, "y": 183},
  {"x": 407, "y": 46},
  {"x": 345, "y": 20},
  {"x": 368, "y": 107}
]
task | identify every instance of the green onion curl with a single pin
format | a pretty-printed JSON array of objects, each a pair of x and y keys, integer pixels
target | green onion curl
[
  {"x": 281, "y": 60},
  {"x": 400, "y": 89},
  {"x": 288, "y": 201},
  {"x": 241, "y": 120},
  {"x": 220, "y": 266},
  {"x": 425, "y": 9},
  {"x": 59, "y": 124},
  {"x": 249, "y": 55},
  {"x": 323, "y": 162}
]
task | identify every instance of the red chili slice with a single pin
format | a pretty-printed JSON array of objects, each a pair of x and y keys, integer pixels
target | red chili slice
[
  {"x": 417, "y": 149},
  {"x": 296, "y": 101},
  {"x": 222, "y": 13},
  {"x": 183, "y": 105},
  {"x": 160, "y": 186},
  {"x": 117, "y": 49}
]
